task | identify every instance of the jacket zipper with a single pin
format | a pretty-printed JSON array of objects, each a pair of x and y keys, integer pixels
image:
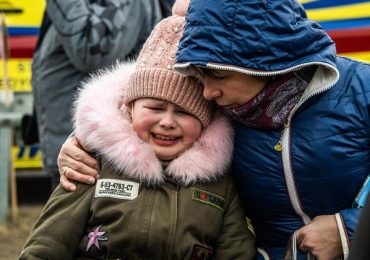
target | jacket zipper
[
  {"x": 288, "y": 174},
  {"x": 267, "y": 73},
  {"x": 283, "y": 146}
]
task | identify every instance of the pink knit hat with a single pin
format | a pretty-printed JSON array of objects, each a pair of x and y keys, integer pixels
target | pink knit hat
[{"x": 155, "y": 78}]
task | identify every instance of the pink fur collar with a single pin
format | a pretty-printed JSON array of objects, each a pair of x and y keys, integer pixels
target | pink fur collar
[{"x": 101, "y": 125}]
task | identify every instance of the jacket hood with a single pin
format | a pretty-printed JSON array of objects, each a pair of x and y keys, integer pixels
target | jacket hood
[
  {"x": 255, "y": 37},
  {"x": 102, "y": 126}
]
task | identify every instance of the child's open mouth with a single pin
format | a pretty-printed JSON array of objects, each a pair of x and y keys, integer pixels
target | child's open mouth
[{"x": 165, "y": 139}]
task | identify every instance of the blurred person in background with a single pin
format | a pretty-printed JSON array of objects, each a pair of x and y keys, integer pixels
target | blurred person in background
[
  {"x": 360, "y": 246},
  {"x": 76, "y": 38}
]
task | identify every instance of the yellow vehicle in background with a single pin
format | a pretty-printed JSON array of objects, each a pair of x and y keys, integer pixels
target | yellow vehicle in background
[
  {"x": 23, "y": 15},
  {"x": 347, "y": 22},
  {"x": 22, "y": 20}
]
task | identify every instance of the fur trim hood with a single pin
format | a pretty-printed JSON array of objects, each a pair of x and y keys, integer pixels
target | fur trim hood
[{"x": 101, "y": 126}]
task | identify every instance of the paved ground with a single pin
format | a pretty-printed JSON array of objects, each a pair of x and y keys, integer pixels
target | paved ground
[
  {"x": 33, "y": 190},
  {"x": 14, "y": 235}
]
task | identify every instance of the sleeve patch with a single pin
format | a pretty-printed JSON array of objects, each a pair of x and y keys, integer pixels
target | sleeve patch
[
  {"x": 208, "y": 198},
  {"x": 202, "y": 253}
]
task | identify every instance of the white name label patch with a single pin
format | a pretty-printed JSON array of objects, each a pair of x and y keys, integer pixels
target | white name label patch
[{"x": 119, "y": 189}]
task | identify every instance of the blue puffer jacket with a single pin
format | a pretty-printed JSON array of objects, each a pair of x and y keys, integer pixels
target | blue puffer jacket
[{"x": 325, "y": 154}]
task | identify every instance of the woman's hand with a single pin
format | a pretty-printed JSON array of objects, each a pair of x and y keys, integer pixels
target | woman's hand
[
  {"x": 75, "y": 164},
  {"x": 321, "y": 238}
]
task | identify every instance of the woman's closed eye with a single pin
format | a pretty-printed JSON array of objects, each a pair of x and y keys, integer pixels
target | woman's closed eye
[{"x": 217, "y": 75}]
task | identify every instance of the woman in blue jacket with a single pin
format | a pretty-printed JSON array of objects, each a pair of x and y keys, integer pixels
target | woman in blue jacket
[{"x": 301, "y": 118}]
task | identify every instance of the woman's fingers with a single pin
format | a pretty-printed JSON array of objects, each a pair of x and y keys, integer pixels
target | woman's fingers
[
  {"x": 76, "y": 165},
  {"x": 79, "y": 166},
  {"x": 76, "y": 176},
  {"x": 81, "y": 153},
  {"x": 66, "y": 184}
]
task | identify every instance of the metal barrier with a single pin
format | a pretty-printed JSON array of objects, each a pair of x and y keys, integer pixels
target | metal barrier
[
  {"x": 7, "y": 120},
  {"x": 7, "y": 173}
]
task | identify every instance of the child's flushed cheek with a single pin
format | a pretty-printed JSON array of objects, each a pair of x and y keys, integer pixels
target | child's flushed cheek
[{"x": 142, "y": 124}]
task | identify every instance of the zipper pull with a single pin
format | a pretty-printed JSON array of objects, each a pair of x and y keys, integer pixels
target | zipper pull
[{"x": 278, "y": 147}]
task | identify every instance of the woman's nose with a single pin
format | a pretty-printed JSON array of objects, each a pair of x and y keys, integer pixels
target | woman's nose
[{"x": 210, "y": 92}]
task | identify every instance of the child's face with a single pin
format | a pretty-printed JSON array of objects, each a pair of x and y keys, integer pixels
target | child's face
[{"x": 167, "y": 128}]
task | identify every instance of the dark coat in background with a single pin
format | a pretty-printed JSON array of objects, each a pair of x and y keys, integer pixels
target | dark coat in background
[{"x": 78, "y": 37}]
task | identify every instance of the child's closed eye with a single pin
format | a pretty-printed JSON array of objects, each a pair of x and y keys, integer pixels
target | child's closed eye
[
  {"x": 183, "y": 112},
  {"x": 155, "y": 108}
]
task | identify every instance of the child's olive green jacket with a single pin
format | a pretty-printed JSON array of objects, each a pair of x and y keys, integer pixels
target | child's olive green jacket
[
  {"x": 167, "y": 222},
  {"x": 138, "y": 209}
]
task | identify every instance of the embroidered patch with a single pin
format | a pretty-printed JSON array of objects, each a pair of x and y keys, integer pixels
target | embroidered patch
[
  {"x": 208, "y": 198},
  {"x": 119, "y": 189},
  {"x": 94, "y": 238},
  {"x": 201, "y": 253}
]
